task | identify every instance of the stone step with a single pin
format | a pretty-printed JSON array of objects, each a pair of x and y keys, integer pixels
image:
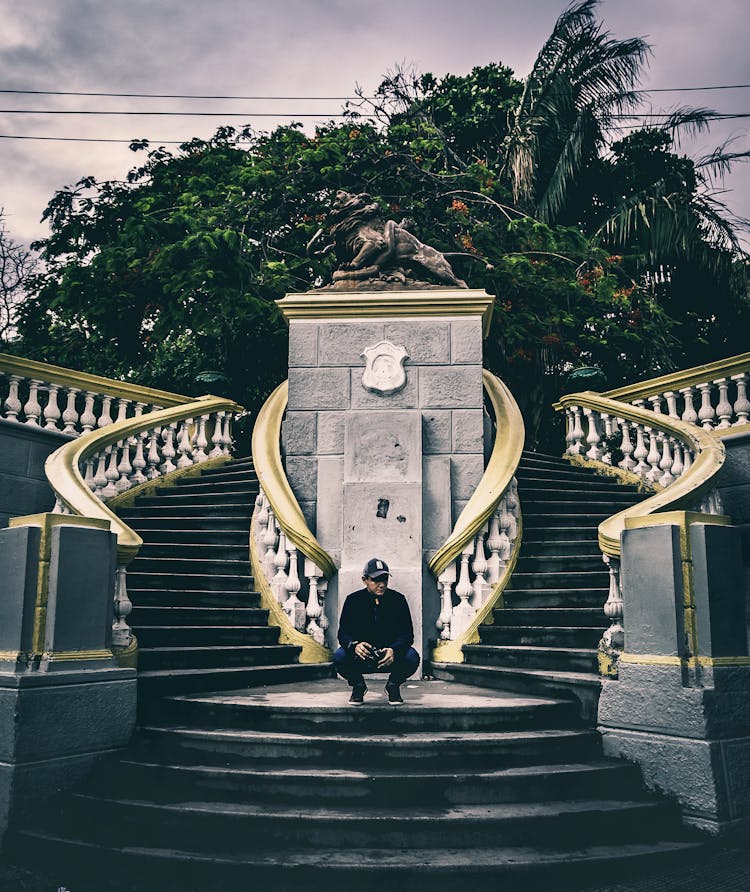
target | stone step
[
  {"x": 442, "y": 749},
  {"x": 585, "y": 482},
  {"x": 555, "y": 659},
  {"x": 191, "y": 616},
  {"x": 580, "y": 495},
  {"x": 172, "y": 497},
  {"x": 548, "y": 616},
  {"x": 157, "y": 597},
  {"x": 565, "y": 508},
  {"x": 229, "y": 473},
  {"x": 410, "y": 787},
  {"x": 190, "y": 566},
  {"x": 581, "y": 686},
  {"x": 557, "y": 563},
  {"x": 552, "y": 865},
  {"x": 205, "y": 636},
  {"x": 198, "y": 824},
  {"x": 554, "y": 597},
  {"x": 541, "y": 636},
  {"x": 219, "y": 517},
  {"x": 583, "y": 578},
  {"x": 190, "y": 581},
  {"x": 536, "y": 517},
  {"x": 209, "y": 536},
  {"x": 204, "y": 551},
  {"x": 156, "y": 683},
  {"x": 541, "y": 536},
  {"x": 215, "y": 656},
  {"x": 201, "y": 485}
]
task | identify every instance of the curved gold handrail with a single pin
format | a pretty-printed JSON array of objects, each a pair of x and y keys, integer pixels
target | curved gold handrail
[
  {"x": 267, "y": 460},
  {"x": 63, "y": 466},
  {"x": 506, "y": 453},
  {"x": 710, "y": 456}
]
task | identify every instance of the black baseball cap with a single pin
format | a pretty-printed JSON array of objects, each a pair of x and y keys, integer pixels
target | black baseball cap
[{"x": 375, "y": 567}]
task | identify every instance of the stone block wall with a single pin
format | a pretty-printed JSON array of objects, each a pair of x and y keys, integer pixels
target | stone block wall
[
  {"x": 23, "y": 486},
  {"x": 734, "y": 487}
]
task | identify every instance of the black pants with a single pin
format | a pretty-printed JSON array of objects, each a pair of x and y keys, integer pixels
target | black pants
[{"x": 349, "y": 666}]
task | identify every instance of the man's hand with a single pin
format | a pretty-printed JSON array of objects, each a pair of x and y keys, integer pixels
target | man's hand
[
  {"x": 387, "y": 659},
  {"x": 363, "y": 650}
]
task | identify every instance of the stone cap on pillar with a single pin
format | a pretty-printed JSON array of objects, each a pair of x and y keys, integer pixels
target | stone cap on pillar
[{"x": 414, "y": 303}]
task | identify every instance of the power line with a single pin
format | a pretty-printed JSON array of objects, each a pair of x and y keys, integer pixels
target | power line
[
  {"x": 160, "y": 142},
  {"x": 695, "y": 89},
  {"x": 170, "y": 114}
]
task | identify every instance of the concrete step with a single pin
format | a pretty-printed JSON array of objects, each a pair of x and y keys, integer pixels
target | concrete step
[
  {"x": 554, "y": 597},
  {"x": 172, "y": 497},
  {"x": 215, "y": 656},
  {"x": 581, "y": 495},
  {"x": 555, "y": 659},
  {"x": 190, "y": 581},
  {"x": 529, "y": 561},
  {"x": 205, "y": 636},
  {"x": 229, "y": 474},
  {"x": 158, "y": 597},
  {"x": 585, "y": 482},
  {"x": 200, "y": 486},
  {"x": 219, "y": 517},
  {"x": 543, "y": 636},
  {"x": 209, "y": 536},
  {"x": 203, "y": 551},
  {"x": 191, "y": 616},
  {"x": 156, "y": 683},
  {"x": 548, "y": 616},
  {"x": 567, "y": 508},
  {"x": 542, "y": 579},
  {"x": 191, "y": 566},
  {"x": 540, "y": 535}
]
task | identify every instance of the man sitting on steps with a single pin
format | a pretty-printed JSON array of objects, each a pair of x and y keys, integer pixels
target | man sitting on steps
[{"x": 376, "y": 634}]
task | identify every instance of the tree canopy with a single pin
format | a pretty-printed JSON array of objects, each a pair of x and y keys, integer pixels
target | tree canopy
[{"x": 598, "y": 252}]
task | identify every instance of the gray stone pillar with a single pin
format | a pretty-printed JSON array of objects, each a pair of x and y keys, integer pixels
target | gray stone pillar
[
  {"x": 681, "y": 705},
  {"x": 381, "y": 461},
  {"x": 63, "y": 698}
]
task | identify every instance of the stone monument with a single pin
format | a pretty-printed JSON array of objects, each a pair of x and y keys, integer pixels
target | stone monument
[{"x": 383, "y": 435}]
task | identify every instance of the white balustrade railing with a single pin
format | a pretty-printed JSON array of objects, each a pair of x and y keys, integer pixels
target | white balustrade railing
[
  {"x": 297, "y": 583},
  {"x": 467, "y": 582},
  {"x": 68, "y": 410}
]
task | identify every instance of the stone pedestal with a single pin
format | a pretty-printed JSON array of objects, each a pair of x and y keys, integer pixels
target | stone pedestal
[
  {"x": 382, "y": 453},
  {"x": 681, "y": 705},
  {"x": 63, "y": 698}
]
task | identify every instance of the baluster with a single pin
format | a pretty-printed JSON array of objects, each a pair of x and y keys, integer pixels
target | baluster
[
  {"x": 665, "y": 464},
  {"x": 577, "y": 433},
  {"x": 688, "y": 459},
  {"x": 100, "y": 477},
  {"x": 278, "y": 583},
  {"x": 511, "y": 500},
  {"x": 59, "y": 507},
  {"x": 88, "y": 478},
  {"x": 678, "y": 465},
  {"x": 314, "y": 607},
  {"x": 614, "y": 637},
  {"x": 653, "y": 457},
  {"x": 706, "y": 412},
  {"x": 569, "y": 425},
  {"x": 139, "y": 461},
  {"x": 724, "y": 407},
  {"x": 641, "y": 452},
  {"x": 293, "y": 607},
  {"x": 627, "y": 463},
  {"x": 656, "y": 404},
  {"x": 689, "y": 414},
  {"x": 269, "y": 541},
  {"x": 124, "y": 468},
  {"x": 323, "y": 619},
  {"x": 479, "y": 566},
  {"x": 671, "y": 398},
  {"x": 112, "y": 474},
  {"x": 201, "y": 441},
  {"x": 168, "y": 451},
  {"x": 153, "y": 456},
  {"x": 12, "y": 402},
  {"x": 216, "y": 436},
  {"x": 494, "y": 544},
  {"x": 52, "y": 413},
  {"x": 742, "y": 404},
  {"x": 594, "y": 452},
  {"x": 505, "y": 519},
  {"x": 183, "y": 445},
  {"x": 88, "y": 419},
  {"x": 32, "y": 410},
  {"x": 226, "y": 438},
  {"x": 70, "y": 415},
  {"x": 105, "y": 418},
  {"x": 609, "y": 431},
  {"x": 463, "y": 613},
  {"x": 122, "y": 634},
  {"x": 261, "y": 518},
  {"x": 446, "y": 581}
]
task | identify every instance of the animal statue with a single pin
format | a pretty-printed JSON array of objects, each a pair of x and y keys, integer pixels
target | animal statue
[{"x": 370, "y": 248}]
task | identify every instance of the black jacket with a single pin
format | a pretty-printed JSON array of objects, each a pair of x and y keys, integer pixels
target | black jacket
[{"x": 385, "y": 625}]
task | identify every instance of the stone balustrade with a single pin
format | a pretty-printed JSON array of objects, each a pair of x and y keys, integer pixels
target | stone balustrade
[
  {"x": 297, "y": 583},
  {"x": 471, "y": 578}
]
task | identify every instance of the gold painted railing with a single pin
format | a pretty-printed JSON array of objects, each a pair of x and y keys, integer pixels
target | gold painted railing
[
  {"x": 490, "y": 521},
  {"x": 126, "y": 456}
]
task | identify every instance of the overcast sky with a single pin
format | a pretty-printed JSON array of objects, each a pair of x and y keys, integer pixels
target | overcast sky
[{"x": 303, "y": 47}]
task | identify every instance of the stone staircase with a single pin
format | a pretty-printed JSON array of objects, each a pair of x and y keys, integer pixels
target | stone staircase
[
  {"x": 198, "y": 621},
  {"x": 288, "y": 786},
  {"x": 543, "y": 641}
]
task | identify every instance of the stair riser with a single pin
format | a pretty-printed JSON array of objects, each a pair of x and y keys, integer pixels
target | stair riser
[
  {"x": 574, "y": 564},
  {"x": 173, "y": 498},
  {"x": 236, "y": 484},
  {"x": 556, "y": 537},
  {"x": 571, "y": 598},
  {"x": 178, "y": 582},
  {"x": 205, "y": 637},
  {"x": 211, "y": 659},
  {"x": 584, "y": 496},
  {"x": 541, "y": 637},
  {"x": 199, "y": 830},
  {"x": 580, "y": 510},
  {"x": 583, "y": 482},
  {"x": 191, "y": 567},
  {"x": 176, "y": 599},
  {"x": 173, "y": 616},
  {"x": 358, "y": 754},
  {"x": 195, "y": 551},
  {"x": 567, "y": 661},
  {"x": 584, "y": 578},
  {"x": 242, "y": 476},
  {"x": 167, "y": 784},
  {"x": 218, "y": 680},
  {"x": 548, "y": 617},
  {"x": 230, "y": 518},
  {"x": 234, "y": 538}
]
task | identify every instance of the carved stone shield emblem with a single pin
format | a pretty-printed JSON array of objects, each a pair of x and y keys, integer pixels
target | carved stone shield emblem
[{"x": 384, "y": 370}]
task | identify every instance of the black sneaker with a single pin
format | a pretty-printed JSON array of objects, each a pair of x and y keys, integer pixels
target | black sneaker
[
  {"x": 394, "y": 692},
  {"x": 358, "y": 693}
]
